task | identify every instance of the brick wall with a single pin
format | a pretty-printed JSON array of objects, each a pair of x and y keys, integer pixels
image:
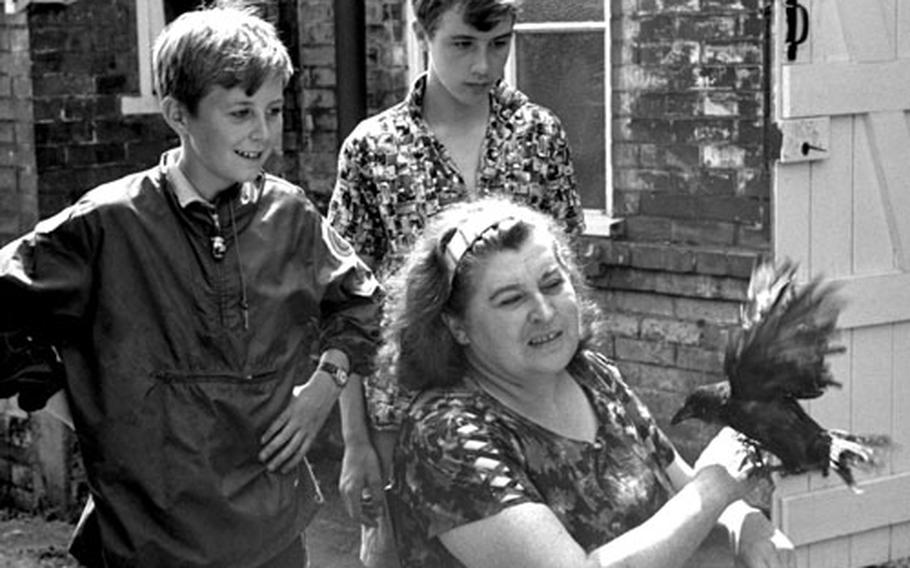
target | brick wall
[
  {"x": 692, "y": 186},
  {"x": 18, "y": 176},
  {"x": 39, "y": 465},
  {"x": 18, "y": 211},
  {"x": 85, "y": 59},
  {"x": 386, "y": 80},
  {"x": 688, "y": 134},
  {"x": 16, "y": 481}
]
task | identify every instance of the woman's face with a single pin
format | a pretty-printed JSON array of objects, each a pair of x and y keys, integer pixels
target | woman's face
[{"x": 523, "y": 318}]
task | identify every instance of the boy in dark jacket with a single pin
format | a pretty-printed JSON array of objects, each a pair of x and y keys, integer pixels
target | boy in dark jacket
[{"x": 185, "y": 301}]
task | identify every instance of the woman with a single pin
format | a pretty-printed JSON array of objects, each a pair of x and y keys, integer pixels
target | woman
[
  {"x": 460, "y": 132},
  {"x": 524, "y": 446}
]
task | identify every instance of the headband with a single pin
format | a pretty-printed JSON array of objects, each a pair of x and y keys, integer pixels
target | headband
[{"x": 466, "y": 235}]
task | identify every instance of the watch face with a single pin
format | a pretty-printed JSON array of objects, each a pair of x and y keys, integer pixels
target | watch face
[
  {"x": 340, "y": 378},
  {"x": 339, "y": 375}
]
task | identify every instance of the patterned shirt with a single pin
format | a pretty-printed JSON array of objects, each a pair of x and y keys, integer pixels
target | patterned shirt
[
  {"x": 394, "y": 174},
  {"x": 463, "y": 456}
]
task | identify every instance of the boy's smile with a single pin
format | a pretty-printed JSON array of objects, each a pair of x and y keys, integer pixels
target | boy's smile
[{"x": 231, "y": 135}]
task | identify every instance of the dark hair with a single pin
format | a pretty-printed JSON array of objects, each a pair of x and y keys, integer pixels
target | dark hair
[
  {"x": 419, "y": 349},
  {"x": 226, "y": 45},
  {"x": 481, "y": 14}
]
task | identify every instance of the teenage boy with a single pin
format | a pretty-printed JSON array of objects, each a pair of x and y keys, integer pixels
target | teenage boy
[
  {"x": 185, "y": 301},
  {"x": 461, "y": 133}
]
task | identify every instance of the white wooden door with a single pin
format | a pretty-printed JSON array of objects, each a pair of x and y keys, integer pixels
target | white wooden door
[{"x": 844, "y": 212}]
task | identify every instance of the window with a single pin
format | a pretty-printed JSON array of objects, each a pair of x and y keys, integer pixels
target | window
[
  {"x": 560, "y": 59},
  {"x": 151, "y": 16},
  {"x": 16, "y": 6}
]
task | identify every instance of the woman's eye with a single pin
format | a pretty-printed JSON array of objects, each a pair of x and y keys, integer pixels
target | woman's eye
[
  {"x": 555, "y": 284},
  {"x": 243, "y": 113},
  {"x": 510, "y": 300}
]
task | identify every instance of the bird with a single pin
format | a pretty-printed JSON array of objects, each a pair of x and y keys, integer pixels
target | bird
[{"x": 777, "y": 357}]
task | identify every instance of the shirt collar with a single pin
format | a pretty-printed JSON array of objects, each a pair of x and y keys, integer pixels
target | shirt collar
[
  {"x": 183, "y": 189},
  {"x": 186, "y": 192},
  {"x": 504, "y": 100},
  {"x": 414, "y": 100}
]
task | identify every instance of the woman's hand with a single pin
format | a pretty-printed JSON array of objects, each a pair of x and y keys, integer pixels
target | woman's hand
[
  {"x": 775, "y": 551},
  {"x": 361, "y": 483},
  {"x": 753, "y": 539},
  {"x": 726, "y": 454},
  {"x": 757, "y": 544}
]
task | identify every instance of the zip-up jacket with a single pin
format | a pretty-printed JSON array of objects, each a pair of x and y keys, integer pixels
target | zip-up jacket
[{"x": 183, "y": 331}]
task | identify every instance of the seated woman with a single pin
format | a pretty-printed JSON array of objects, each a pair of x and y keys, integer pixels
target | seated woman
[{"x": 524, "y": 447}]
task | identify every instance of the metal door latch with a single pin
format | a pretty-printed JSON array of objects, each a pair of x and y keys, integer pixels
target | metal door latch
[{"x": 795, "y": 13}]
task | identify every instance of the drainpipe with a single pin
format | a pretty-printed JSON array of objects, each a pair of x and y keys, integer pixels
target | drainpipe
[
  {"x": 350, "y": 65},
  {"x": 772, "y": 137}
]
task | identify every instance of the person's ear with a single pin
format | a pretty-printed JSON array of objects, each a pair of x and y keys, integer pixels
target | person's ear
[
  {"x": 457, "y": 329},
  {"x": 175, "y": 114}
]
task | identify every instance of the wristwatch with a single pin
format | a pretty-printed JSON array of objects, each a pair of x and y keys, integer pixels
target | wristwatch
[{"x": 339, "y": 375}]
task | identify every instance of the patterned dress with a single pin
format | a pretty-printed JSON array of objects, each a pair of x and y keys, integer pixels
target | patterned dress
[
  {"x": 463, "y": 456},
  {"x": 394, "y": 175}
]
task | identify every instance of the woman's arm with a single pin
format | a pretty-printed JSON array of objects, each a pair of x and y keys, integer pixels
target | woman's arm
[
  {"x": 531, "y": 535},
  {"x": 753, "y": 539}
]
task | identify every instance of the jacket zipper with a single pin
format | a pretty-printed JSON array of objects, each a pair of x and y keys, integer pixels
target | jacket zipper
[
  {"x": 219, "y": 246},
  {"x": 219, "y": 250}
]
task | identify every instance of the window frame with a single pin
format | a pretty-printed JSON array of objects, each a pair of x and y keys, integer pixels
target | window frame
[
  {"x": 149, "y": 23},
  {"x": 597, "y": 221}
]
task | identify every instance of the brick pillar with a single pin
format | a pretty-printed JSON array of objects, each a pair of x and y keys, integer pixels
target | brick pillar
[{"x": 18, "y": 177}]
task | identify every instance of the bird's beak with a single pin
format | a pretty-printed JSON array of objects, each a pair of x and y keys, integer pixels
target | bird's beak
[{"x": 683, "y": 413}]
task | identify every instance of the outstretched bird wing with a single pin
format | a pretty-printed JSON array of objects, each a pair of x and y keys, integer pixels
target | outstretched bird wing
[
  {"x": 786, "y": 334},
  {"x": 776, "y": 357}
]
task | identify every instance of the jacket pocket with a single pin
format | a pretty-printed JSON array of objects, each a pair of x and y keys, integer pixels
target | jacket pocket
[
  {"x": 212, "y": 482},
  {"x": 211, "y": 426}
]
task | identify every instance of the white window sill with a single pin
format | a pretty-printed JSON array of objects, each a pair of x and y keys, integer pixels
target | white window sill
[
  {"x": 599, "y": 224},
  {"x": 14, "y": 6},
  {"x": 139, "y": 105}
]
